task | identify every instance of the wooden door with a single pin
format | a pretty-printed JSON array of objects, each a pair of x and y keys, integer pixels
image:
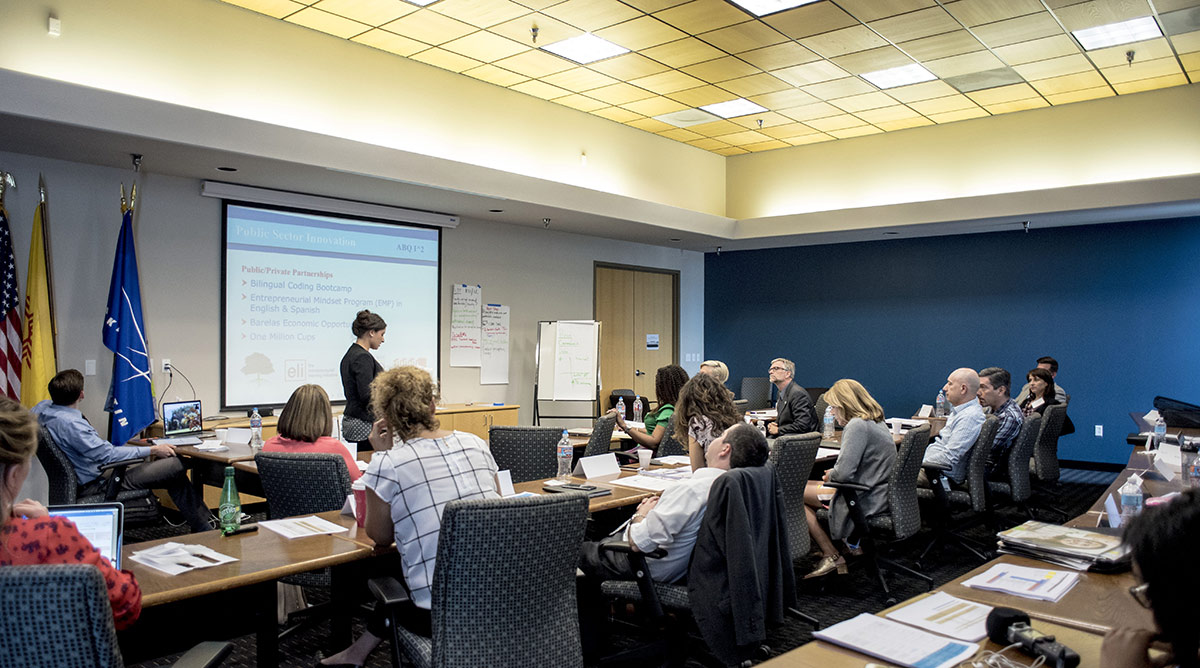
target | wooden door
[{"x": 631, "y": 304}]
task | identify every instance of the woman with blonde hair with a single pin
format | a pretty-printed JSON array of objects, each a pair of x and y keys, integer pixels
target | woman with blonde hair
[
  {"x": 305, "y": 425},
  {"x": 704, "y": 411},
  {"x": 865, "y": 458}
]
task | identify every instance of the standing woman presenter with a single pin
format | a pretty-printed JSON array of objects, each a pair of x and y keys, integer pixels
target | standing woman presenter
[{"x": 359, "y": 368}]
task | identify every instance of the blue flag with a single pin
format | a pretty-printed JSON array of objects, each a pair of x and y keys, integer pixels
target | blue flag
[{"x": 130, "y": 397}]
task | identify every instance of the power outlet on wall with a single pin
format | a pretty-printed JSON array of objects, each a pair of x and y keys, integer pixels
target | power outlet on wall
[
  {"x": 166, "y": 365},
  {"x": 1099, "y": 431}
]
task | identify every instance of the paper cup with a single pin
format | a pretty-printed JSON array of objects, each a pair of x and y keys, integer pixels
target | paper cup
[
  {"x": 897, "y": 427},
  {"x": 221, "y": 434},
  {"x": 360, "y": 501},
  {"x": 825, "y": 494},
  {"x": 644, "y": 458}
]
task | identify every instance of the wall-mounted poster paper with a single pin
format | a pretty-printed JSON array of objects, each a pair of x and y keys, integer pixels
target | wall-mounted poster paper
[
  {"x": 465, "y": 325},
  {"x": 575, "y": 365},
  {"x": 493, "y": 366}
]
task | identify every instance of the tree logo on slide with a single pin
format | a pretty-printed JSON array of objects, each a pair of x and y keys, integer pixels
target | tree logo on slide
[{"x": 258, "y": 364}]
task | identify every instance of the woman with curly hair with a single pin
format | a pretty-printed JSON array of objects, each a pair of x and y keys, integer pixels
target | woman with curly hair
[
  {"x": 705, "y": 410},
  {"x": 667, "y": 383}
]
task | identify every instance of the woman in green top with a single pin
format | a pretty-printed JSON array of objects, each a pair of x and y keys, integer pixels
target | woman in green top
[{"x": 667, "y": 383}]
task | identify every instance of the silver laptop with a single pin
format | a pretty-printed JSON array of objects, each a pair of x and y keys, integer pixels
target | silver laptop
[{"x": 103, "y": 524}]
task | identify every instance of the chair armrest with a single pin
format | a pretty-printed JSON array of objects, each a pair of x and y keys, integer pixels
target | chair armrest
[
  {"x": 656, "y": 553},
  {"x": 849, "y": 486},
  {"x": 936, "y": 467},
  {"x": 205, "y": 655},
  {"x": 388, "y": 591},
  {"x": 122, "y": 464}
]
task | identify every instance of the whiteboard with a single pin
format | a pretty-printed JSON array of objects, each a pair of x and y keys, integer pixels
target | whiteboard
[{"x": 568, "y": 360}]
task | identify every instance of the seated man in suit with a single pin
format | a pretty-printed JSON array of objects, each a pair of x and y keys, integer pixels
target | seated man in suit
[
  {"x": 993, "y": 395},
  {"x": 82, "y": 445},
  {"x": 1049, "y": 364},
  {"x": 796, "y": 412},
  {"x": 954, "y": 441}
]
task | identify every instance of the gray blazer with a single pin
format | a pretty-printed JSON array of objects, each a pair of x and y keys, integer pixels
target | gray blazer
[{"x": 866, "y": 458}]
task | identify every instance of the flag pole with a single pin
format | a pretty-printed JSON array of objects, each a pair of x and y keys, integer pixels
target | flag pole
[{"x": 44, "y": 202}]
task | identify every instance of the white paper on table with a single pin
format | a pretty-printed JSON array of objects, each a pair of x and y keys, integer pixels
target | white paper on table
[
  {"x": 362, "y": 466},
  {"x": 1114, "y": 514},
  {"x": 1168, "y": 459},
  {"x": 238, "y": 435},
  {"x": 505, "y": 479},
  {"x": 579, "y": 431},
  {"x": 212, "y": 445},
  {"x": 926, "y": 410},
  {"x": 827, "y": 452},
  {"x": 175, "y": 558},
  {"x": 897, "y": 643},
  {"x": 1036, "y": 583},
  {"x": 769, "y": 414},
  {"x": 676, "y": 460},
  {"x": 945, "y": 614},
  {"x": 300, "y": 527},
  {"x": 350, "y": 506},
  {"x": 645, "y": 482},
  {"x": 598, "y": 466}
]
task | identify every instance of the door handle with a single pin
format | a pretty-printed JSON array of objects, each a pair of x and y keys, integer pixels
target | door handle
[{"x": 638, "y": 372}]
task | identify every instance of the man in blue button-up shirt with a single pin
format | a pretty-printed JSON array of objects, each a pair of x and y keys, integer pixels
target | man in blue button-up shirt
[
  {"x": 87, "y": 451},
  {"x": 954, "y": 441}
]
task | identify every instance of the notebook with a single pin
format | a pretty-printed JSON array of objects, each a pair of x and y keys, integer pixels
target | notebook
[{"x": 103, "y": 524}]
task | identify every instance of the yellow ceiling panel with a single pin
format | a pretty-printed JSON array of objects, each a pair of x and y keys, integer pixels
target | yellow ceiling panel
[
  {"x": 682, "y": 134},
  {"x": 808, "y": 112},
  {"x": 872, "y": 10},
  {"x": 968, "y": 63},
  {"x": 716, "y": 128},
  {"x": 1080, "y": 95},
  {"x": 628, "y": 66},
  {"x": 550, "y": 30},
  {"x": 1096, "y": 13},
  {"x": 978, "y": 12},
  {"x": 903, "y": 124},
  {"x": 779, "y": 56},
  {"x": 702, "y": 16},
  {"x": 769, "y": 119},
  {"x": 758, "y": 84},
  {"x": 592, "y": 15},
  {"x": 485, "y": 46},
  {"x": 954, "y": 43},
  {"x": 941, "y": 105},
  {"x": 681, "y": 53},
  {"x": 839, "y": 122},
  {"x": 744, "y": 137},
  {"x": 1148, "y": 69},
  {"x": 534, "y": 64},
  {"x": 620, "y": 93},
  {"x": 1070, "y": 82},
  {"x": 922, "y": 91},
  {"x": 1188, "y": 42},
  {"x": 540, "y": 89},
  {"x": 1038, "y": 49},
  {"x": 667, "y": 82},
  {"x": 811, "y": 73},
  {"x": 538, "y": 5},
  {"x": 1020, "y": 29},
  {"x": 782, "y": 99},
  {"x": 1001, "y": 94},
  {"x": 1017, "y": 105},
  {"x": 579, "y": 79},
  {"x": 497, "y": 75},
  {"x": 1139, "y": 85},
  {"x": 1191, "y": 63},
  {"x": 1172, "y": 5},
  {"x": 273, "y": 8},
  {"x": 915, "y": 25},
  {"x": 769, "y": 145},
  {"x": 390, "y": 42},
  {"x": 809, "y": 139},
  {"x": 788, "y": 130},
  {"x": 430, "y": 27},
  {"x": 858, "y": 103},
  {"x": 832, "y": 90},
  {"x": 650, "y": 6},
  {"x": 655, "y": 106},
  {"x": 744, "y": 37},
  {"x": 810, "y": 20},
  {"x": 617, "y": 114},
  {"x": 580, "y": 102},
  {"x": 857, "y": 131},
  {"x": 1150, "y": 49},
  {"x": 700, "y": 96},
  {"x": 447, "y": 60},
  {"x": 721, "y": 69},
  {"x": 708, "y": 144},
  {"x": 896, "y": 112},
  {"x": 1055, "y": 67},
  {"x": 872, "y": 60},
  {"x": 650, "y": 125},
  {"x": 731, "y": 150},
  {"x": 327, "y": 23},
  {"x": 841, "y": 42},
  {"x": 640, "y": 33},
  {"x": 960, "y": 115},
  {"x": 370, "y": 12},
  {"x": 480, "y": 13}
]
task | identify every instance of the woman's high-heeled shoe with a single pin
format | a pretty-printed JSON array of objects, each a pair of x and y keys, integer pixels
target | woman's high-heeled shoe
[{"x": 827, "y": 566}]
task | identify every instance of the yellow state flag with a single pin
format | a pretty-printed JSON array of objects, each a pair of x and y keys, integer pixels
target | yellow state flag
[{"x": 38, "y": 363}]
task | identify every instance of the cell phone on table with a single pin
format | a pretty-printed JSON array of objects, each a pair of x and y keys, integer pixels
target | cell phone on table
[{"x": 570, "y": 487}]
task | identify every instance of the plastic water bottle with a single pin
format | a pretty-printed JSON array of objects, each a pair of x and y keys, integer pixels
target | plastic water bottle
[
  {"x": 637, "y": 409},
  {"x": 939, "y": 408},
  {"x": 565, "y": 453},
  {"x": 827, "y": 432},
  {"x": 256, "y": 441},
  {"x": 1131, "y": 501},
  {"x": 1160, "y": 431},
  {"x": 230, "y": 511},
  {"x": 621, "y": 407}
]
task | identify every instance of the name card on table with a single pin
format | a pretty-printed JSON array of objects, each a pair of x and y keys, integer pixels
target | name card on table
[
  {"x": 237, "y": 436},
  {"x": 598, "y": 467}
]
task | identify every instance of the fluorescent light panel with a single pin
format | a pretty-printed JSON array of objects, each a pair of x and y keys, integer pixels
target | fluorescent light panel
[
  {"x": 1125, "y": 32},
  {"x": 733, "y": 108},
  {"x": 899, "y": 76},
  {"x": 765, "y": 7},
  {"x": 586, "y": 48}
]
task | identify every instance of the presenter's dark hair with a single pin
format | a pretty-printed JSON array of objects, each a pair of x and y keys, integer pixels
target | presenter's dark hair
[
  {"x": 668, "y": 381},
  {"x": 1040, "y": 373},
  {"x": 307, "y": 415},
  {"x": 998, "y": 378},
  {"x": 1165, "y": 540},
  {"x": 365, "y": 322},
  {"x": 747, "y": 445},
  {"x": 66, "y": 386},
  {"x": 1051, "y": 361},
  {"x": 404, "y": 398}
]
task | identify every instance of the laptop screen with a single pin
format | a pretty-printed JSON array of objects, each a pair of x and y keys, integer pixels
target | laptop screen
[
  {"x": 101, "y": 523},
  {"x": 182, "y": 418}
]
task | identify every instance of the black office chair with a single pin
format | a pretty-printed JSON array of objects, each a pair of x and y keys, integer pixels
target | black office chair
[
  {"x": 757, "y": 392},
  {"x": 819, "y": 406},
  {"x": 528, "y": 453},
  {"x": 600, "y": 441},
  {"x": 793, "y": 455},
  {"x": 970, "y": 496},
  {"x": 58, "y": 616},
  {"x": 670, "y": 445},
  {"x": 1015, "y": 489},
  {"x": 141, "y": 505},
  {"x": 1044, "y": 466}
]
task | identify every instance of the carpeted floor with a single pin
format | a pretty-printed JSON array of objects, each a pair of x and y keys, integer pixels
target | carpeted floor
[{"x": 830, "y": 599}]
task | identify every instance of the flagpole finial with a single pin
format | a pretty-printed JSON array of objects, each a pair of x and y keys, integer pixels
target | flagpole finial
[
  {"x": 41, "y": 189},
  {"x": 132, "y": 195},
  {"x": 124, "y": 202},
  {"x": 6, "y": 181}
]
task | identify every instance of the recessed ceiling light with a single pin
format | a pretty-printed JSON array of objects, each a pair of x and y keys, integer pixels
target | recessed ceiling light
[
  {"x": 733, "y": 108},
  {"x": 1112, "y": 34},
  {"x": 585, "y": 48},
  {"x": 764, "y": 7},
  {"x": 899, "y": 76},
  {"x": 226, "y": 169},
  {"x": 687, "y": 118}
]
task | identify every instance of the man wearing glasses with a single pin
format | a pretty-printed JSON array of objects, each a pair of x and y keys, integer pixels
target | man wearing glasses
[{"x": 796, "y": 413}]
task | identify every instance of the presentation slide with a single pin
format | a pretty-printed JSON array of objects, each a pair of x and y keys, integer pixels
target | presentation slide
[{"x": 293, "y": 284}]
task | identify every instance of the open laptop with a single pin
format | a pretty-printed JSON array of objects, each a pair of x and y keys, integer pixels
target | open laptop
[
  {"x": 103, "y": 524},
  {"x": 183, "y": 423}
]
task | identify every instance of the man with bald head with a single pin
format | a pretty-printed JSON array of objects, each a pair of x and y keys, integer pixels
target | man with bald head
[{"x": 954, "y": 441}]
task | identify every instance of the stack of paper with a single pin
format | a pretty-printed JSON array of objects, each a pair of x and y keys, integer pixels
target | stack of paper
[
  {"x": 1036, "y": 583},
  {"x": 1065, "y": 546},
  {"x": 176, "y": 558},
  {"x": 942, "y": 613},
  {"x": 299, "y": 527},
  {"x": 897, "y": 643},
  {"x": 672, "y": 460}
]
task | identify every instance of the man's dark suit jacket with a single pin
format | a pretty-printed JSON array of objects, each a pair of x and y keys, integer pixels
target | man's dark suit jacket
[{"x": 796, "y": 412}]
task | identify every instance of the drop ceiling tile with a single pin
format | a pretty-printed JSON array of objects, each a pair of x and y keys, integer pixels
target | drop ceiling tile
[
  {"x": 758, "y": 84},
  {"x": 538, "y": 5},
  {"x": 839, "y": 122},
  {"x": 390, "y": 42},
  {"x": 857, "y": 103},
  {"x": 1055, "y": 67},
  {"x": 721, "y": 69},
  {"x": 808, "y": 112},
  {"x": 664, "y": 83},
  {"x": 579, "y": 79},
  {"x": 769, "y": 145},
  {"x": 628, "y": 66},
  {"x": 839, "y": 88},
  {"x": 811, "y": 73},
  {"x": 1016, "y": 105},
  {"x": 809, "y": 139},
  {"x": 810, "y": 20},
  {"x": 1191, "y": 63},
  {"x": 857, "y": 131},
  {"x": 640, "y": 33},
  {"x": 480, "y": 13},
  {"x": 1091, "y": 14},
  {"x": 1139, "y": 85},
  {"x": 540, "y": 89},
  {"x": 744, "y": 137},
  {"x": 447, "y": 60},
  {"x": 484, "y": 46},
  {"x": 743, "y": 37},
  {"x": 498, "y": 76},
  {"x": 923, "y": 91},
  {"x": 1020, "y": 29},
  {"x": 535, "y": 64},
  {"x": 273, "y": 8},
  {"x": 620, "y": 93},
  {"x": 872, "y": 10},
  {"x": 731, "y": 151},
  {"x": 841, "y": 42},
  {"x": 1187, "y": 42},
  {"x": 1148, "y": 69},
  {"x": 429, "y": 27},
  {"x": 370, "y": 12},
  {"x": 915, "y": 25},
  {"x": 960, "y": 115},
  {"x": 1151, "y": 49},
  {"x": 1068, "y": 83},
  {"x": 769, "y": 119},
  {"x": 1038, "y": 49},
  {"x": 1080, "y": 95},
  {"x": 655, "y": 106},
  {"x": 895, "y": 112},
  {"x": 328, "y": 23},
  {"x": 941, "y": 105},
  {"x": 701, "y": 96},
  {"x": 968, "y": 63},
  {"x": 591, "y": 15},
  {"x": 979, "y": 12},
  {"x": 650, "y": 125},
  {"x": 616, "y": 114},
  {"x": 682, "y": 134},
  {"x": 550, "y": 30},
  {"x": 952, "y": 43},
  {"x": 779, "y": 56},
  {"x": 702, "y": 16},
  {"x": 788, "y": 131},
  {"x": 1021, "y": 91},
  {"x": 651, "y": 6},
  {"x": 872, "y": 60},
  {"x": 721, "y": 127},
  {"x": 708, "y": 144},
  {"x": 1171, "y": 5},
  {"x": 580, "y": 102},
  {"x": 783, "y": 99},
  {"x": 683, "y": 52},
  {"x": 903, "y": 124}
]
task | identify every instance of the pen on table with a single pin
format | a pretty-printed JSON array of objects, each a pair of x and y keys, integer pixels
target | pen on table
[{"x": 242, "y": 529}]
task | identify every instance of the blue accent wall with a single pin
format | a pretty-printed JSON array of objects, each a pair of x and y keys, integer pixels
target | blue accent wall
[{"x": 1118, "y": 305}]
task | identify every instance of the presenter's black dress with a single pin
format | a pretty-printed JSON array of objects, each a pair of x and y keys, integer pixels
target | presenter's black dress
[{"x": 358, "y": 368}]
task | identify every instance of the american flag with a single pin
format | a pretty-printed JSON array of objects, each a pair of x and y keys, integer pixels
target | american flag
[{"x": 10, "y": 303}]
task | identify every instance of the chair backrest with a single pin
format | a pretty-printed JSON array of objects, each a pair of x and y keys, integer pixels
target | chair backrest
[
  {"x": 301, "y": 483},
  {"x": 819, "y": 406},
  {"x": 528, "y": 453},
  {"x": 793, "y": 456},
  {"x": 600, "y": 441},
  {"x": 977, "y": 464},
  {"x": 1018, "y": 459},
  {"x": 1045, "y": 453},
  {"x": 64, "y": 484},
  {"x": 56, "y": 616},
  {"x": 504, "y": 583},
  {"x": 757, "y": 391},
  {"x": 669, "y": 445},
  {"x": 741, "y": 405},
  {"x": 814, "y": 393},
  {"x": 902, "y": 485}
]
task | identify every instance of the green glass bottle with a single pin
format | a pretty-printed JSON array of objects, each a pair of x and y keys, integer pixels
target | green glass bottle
[{"x": 230, "y": 511}]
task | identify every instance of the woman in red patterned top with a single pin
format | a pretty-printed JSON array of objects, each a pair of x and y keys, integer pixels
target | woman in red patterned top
[{"x": 30, "y": 536}]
